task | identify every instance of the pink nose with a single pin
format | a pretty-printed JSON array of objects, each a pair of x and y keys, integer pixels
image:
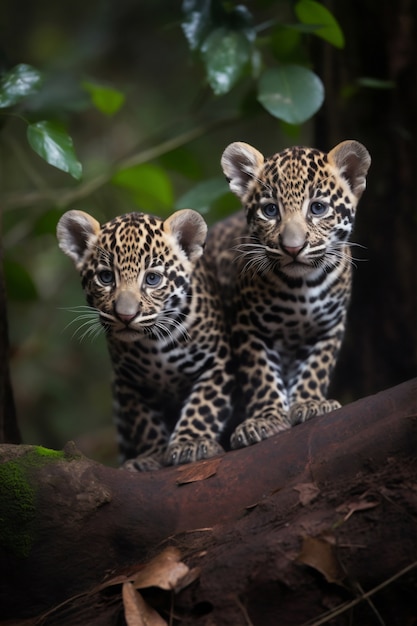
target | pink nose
[
  {"x": 126, "y": 318},
  {"x": 292, "y": 251}
]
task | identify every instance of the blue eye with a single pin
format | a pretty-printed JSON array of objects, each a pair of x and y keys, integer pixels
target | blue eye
[
  {"x": 152, "y": 279},
  {"x": 318, "y": 208},
  {"x": 270, "y": 210},
  {"x": 106, "y": 277}
]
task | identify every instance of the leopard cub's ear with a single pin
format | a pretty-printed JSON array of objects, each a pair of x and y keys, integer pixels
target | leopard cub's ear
[
  {"x": 241, "y": 164},
  {"x": 190, "y": 231},
  {"x": 76, "y": 231},
  {"x": 352, "y": 160}
]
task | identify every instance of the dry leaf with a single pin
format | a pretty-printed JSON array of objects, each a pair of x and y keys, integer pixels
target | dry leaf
[
  {"x": 357, "y": 505},
  {"x": 186, "y": 580},
  {"x": 308, "y": 492},
  {"x": 319, "y": 554},
  {"x": 137, "y": 611},
  {"x": 163, "y": 571},
  {"x": 198, "y": 471}
]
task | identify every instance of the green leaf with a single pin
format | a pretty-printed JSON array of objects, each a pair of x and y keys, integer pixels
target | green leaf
[
  {"x": 19, "y": 282},
  {"x": 225, "y": 54},
  {"x": 202, "y": 196},
  {"x": 149, "y": 186},
  {"x": 23, "y": 80},
  {"x": 291, "y": 93},
  {"x": 106, "y": 99},
  {"x": 197, "y": 21},
  {"x": 51, "y": 141},
  {"x": 314, "y": 13}
]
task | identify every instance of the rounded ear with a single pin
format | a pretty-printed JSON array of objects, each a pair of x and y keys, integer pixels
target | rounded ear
[
  {"x": 189, "y": 229},
  {"x": 241, "y": 164},
  {"x": 352, "y": 160},
  {"x": 75, "y": 231}
]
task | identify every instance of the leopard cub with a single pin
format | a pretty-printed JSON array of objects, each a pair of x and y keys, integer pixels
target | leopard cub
[
  {"x": 285, "y": 269},
  {"x": 149, "y": 285}
]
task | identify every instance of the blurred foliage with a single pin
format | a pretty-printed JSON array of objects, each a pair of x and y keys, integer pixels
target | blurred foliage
[{"x": 145, "y": 96}]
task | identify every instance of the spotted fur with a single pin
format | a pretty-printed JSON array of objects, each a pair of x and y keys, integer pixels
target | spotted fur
[
  {"x": 147, "y": 281},
  {"x": 284, "y": 266}
]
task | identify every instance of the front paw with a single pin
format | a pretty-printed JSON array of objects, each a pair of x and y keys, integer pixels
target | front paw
[
  {"x": 143, "y": 463},
  {"x": 303, "y": 411},
  {"x": 256, "y": 429},
  {"x": 192, "y": 450}
]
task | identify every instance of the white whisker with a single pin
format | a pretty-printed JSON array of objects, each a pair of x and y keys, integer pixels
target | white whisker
[
  {"x": 90, "y": 318},
  {"x": 262, "y": 182},
  {"x": 256, "y": 260},
  {"x": 165, "y": 321}
]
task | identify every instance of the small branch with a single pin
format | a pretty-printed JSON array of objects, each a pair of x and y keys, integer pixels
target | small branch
[
  {"x": 330, "y": 615},
  {"x": 65, "y": 197}
]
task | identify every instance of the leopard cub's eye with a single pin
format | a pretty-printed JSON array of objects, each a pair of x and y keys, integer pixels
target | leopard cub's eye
[
  {"x": 318, "y": 209},
  {"x": 153, "y": 279},
  {"x": 270, "y": 210},
  {"x": 106, "y": 277}
]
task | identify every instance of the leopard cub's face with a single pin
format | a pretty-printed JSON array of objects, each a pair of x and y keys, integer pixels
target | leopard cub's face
[
  {"x": 136, "y": 270},
  {"x": 300, "y": 204}
]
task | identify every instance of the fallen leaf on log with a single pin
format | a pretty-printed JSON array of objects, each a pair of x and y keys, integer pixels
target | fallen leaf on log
[
  {"x": 165, "y": 571},
  {"x": 319, "y": 553},
  {"x": 195, "y": 472},
  {"x": 137, "y": 611},
  {"x": 357, "y": 505},
  {"x": 308, "y": 492}
]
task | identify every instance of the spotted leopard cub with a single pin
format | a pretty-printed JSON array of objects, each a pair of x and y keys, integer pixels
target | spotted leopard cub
[
  {"x": 284, "y": 264},
  {"x": 150, "y": 287}
]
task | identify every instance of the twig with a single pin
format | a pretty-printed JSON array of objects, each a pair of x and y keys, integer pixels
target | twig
[
  {"x": 327, "y": 617},
  {"x": 244, "y": 612},
  {"x": 64, "y": 197}
]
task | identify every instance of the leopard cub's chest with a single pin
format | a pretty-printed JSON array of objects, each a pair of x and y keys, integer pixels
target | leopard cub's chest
[{"x": 289, "y": 315}]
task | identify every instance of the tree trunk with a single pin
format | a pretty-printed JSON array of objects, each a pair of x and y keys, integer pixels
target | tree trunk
[
  {"x": 9, "y": 430},
  {"x": 379, "y": 349},
  {"x": 280, "y": 531}
]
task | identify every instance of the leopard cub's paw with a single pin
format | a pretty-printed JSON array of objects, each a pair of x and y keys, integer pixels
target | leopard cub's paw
[
  {"x": 303, "y": 411},
  {"x": 143, "y": 463},
  {"x": 256, "y": 429},
  {"x": 192, "y": 450}
]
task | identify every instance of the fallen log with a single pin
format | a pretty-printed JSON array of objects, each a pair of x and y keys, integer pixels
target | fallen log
[{"x": 259, "y": 522}]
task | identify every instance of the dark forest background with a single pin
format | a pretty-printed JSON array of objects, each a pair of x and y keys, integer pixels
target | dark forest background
[{"x": 173, "y": 129}]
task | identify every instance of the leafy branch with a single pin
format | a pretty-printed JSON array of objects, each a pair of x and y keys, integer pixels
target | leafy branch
[
  {"x": 64, "y": 197},
  {"x": 227, "y": 42}
]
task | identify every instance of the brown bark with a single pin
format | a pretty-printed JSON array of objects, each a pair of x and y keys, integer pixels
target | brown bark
[{"x": 242, "y": 518}]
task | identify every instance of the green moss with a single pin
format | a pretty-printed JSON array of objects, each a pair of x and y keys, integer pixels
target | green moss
[
  {"x": 18, "y": 498},
  {"x": 49, "y": 454}
]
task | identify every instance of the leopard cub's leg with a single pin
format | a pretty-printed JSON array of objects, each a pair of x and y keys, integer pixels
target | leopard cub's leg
[
  {"x": 263, "y": 394},
  {"x": 310, "y": 381},
  {"x": 203, "y": 418},
  {"x": 142, "y": 435}
]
